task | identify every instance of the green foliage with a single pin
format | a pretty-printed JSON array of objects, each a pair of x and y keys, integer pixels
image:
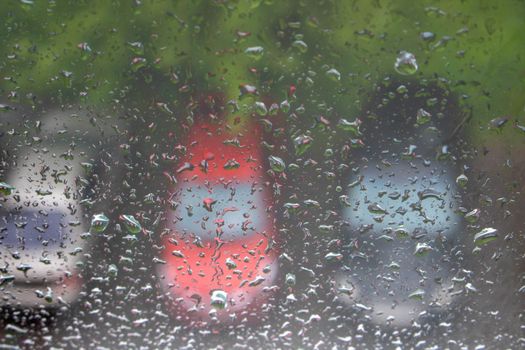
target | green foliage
[{"x": 101, "y": 52}]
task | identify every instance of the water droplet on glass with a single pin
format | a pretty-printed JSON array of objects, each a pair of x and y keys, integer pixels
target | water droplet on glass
[
  {"x": 401, "y": 232},
  {"x": 422, "y": 116},
  {"x": 462, "y": 180},
  {"x": 248, "y": 90},
  {"x": 178, "y": 254},
  {"x": 406, "y": 63},
  {"x": 208, "y": 203},
  {"x": 137, "y": 63},
  {"x": 418, "y": 294},
  {"x": 261, "y": 109},
  {"x": 498, "y": 122},
  {"x": 300, "y": 46},
  {"x": 6, "y": 189},
  {"x": 231, "y": 164},
  {"x": 352, "y": 127},
  {"x": 254, "y": 52},
  {"x": 274, "y": 109},
  {"x": 473, "y": 216},
  {"x": 112, "y": 270},
  {"x": 429, "y": 193},
  {"x": 136, "y": 47},
  {"x": 285, "y": 106},
  {"x": 486, "y": 235},
  {"x": 402, "y": 89},
  {"x": 333, "y": 256},
  {"x": 231, "y": 264},
  {"x": 131, "y": 224},
  {"x": 427, "y": 36},
  {"x": 333, "y": 74},
  {"x": 302, "y": 143},
  {"x": 376, "y": 209},
  {"x": 290, "y": 279},
  {"x": 422, "y": 249},
  {"x": 219, "y": 299},
  {"x": 277, "y": 164},
  {"x": 85, "y": 50},
  {"x": 99, "y": 222},
  {"x": 5, "y": 108}
]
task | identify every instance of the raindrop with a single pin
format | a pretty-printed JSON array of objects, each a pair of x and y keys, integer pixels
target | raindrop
[
  {"x": 274, "y": 108},
  {"x": 376, "y": 209},
  {"x": 473, "y": 216},
  {"x": 302, "y": 143},
  {"x": 422, "y": 249},
  {"x": 112, "y": 270},
  {"x": 285, "y": 106},
  {"x": 247, "y": 90},
  {"x": 131, "y": 224},
  {"x": 230, "y": 264},
  {"x": 219, "y": 299},
  {"x": 418, "y": 294},
  {"x": 137, "y": 63},
  {"x": 137, "y": 47},
  {"x": 257, "y": 281},
  {"x": 486, "y": 235},
  {"x": 6, "y": 189},
  {"x": 427, "y": 36},
  {"x": 277, "y": 164},
  {"x": 231, "y": 164},
  {"x": 261, "y": 109},
  {"x": 333, "y": 74},
  {"x": 254, "y": 52},
  {"x": 333, "y": 256},
  {"x": 352, "y": 127},
  {"x": 99, "y": 222},
  {"x": 406, "y": 63},
  {"x": 429, "y": 193},
  {"x": 208, "y": 203},
  {"x": 422, "y": 116},
  {"x": 401, "y": 232},
  {"x": 177, "y": 253},
  {"x": 300, "y": 46},
  {"x": 498, "y": 122},
  {"x": 5, "y": 108},
  {"x": 462, "y": 180},
  {"x": 290, "y": 279}
]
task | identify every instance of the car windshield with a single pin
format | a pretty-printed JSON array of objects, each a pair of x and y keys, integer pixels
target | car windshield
[{"x": 261, "y": 174}]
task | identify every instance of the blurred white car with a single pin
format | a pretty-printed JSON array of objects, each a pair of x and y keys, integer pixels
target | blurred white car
[{"x": 41, "y": 219}]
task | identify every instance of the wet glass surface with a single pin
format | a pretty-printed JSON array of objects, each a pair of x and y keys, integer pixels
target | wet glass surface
[{"x": 262, "y": 174}]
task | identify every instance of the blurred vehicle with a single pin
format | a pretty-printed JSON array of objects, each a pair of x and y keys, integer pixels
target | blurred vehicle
[
  {"x": 402, "y": 208},
  {"x": 220, "y": 261},
  {"x": 43, "y": 214}
]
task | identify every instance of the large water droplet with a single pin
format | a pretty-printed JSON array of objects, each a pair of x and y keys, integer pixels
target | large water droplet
[
  {"x": 255, "y": 52},
  {"x": 99, "y": 222},
  {"x": 406, "y": 63},
  {"x": 277, "y": 164},
  {"x": 352, "y": 127},
  {"x": 131, "y": 224},
  {"x": 261, "y": 109},
  {"x": 302, "y": 143},
  {"x": 486, "y": 235},
  {"x": 422, "y": 116},
  {"x": 300, "y": 46},
  {"x": 462, "y": 180},
  {"x": 418, "y": 294},
  {"x": 5, "y": 189},
  {"x": 422, "y": 249},
  {"x": 333, "y": 74},
  {"x": 219, "y": 299}
]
